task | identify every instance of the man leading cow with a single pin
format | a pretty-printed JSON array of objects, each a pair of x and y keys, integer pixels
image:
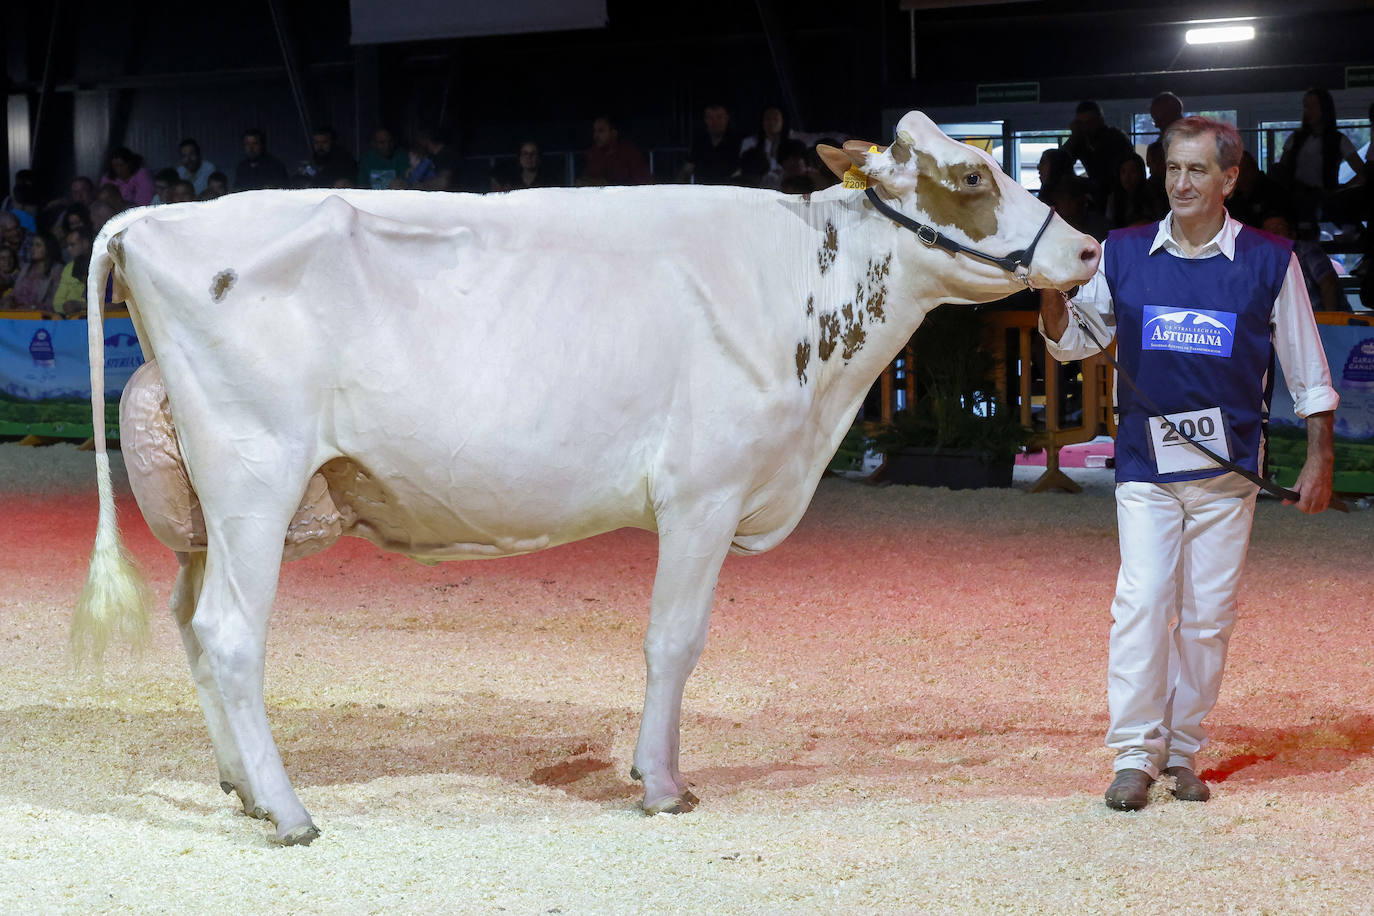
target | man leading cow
[{"x": 1198, "y": 303}]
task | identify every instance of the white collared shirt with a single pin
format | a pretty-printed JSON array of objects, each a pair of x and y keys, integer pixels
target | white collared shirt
[{"x": 1296, "y": 341}]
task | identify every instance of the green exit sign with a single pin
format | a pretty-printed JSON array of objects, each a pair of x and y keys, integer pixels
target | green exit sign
[
  {"x": 1359, "y": 77},
  {"x": 1001, "y": 93}
]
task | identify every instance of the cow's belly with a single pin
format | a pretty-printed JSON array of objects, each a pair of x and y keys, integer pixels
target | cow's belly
[
  {"x": 465, "y": 521},
  {"x": 428, "y": 506}
]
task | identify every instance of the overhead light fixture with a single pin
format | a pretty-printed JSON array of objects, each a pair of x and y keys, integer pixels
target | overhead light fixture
[{"x": 1215, "y": 31}]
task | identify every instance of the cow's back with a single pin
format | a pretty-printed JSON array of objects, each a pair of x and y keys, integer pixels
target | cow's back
[{"x": 520, "y": 365}]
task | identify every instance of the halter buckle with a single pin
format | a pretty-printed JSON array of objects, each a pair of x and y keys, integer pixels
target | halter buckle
[{"x": 927, "y": 235}]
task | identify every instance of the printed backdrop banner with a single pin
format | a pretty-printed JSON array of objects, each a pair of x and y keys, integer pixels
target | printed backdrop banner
[
  {"x": 1350, "y": 354},
  {"x": 45, "y": 375}
]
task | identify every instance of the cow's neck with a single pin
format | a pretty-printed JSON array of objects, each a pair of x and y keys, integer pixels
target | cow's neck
[{"x": 866, "y": 305}]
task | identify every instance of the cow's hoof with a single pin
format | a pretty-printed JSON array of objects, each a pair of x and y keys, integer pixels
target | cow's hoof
[
  {"x": 226, "y": 786},
  {"x": 636, "y": 775},
  {"x": 673, "y": 804},
  {"x": 258, "y": 813},
  {"x": 303, "y": 835}
]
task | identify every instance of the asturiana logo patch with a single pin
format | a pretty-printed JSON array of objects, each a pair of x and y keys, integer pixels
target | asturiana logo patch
[{"x": 1188, "y": 330}]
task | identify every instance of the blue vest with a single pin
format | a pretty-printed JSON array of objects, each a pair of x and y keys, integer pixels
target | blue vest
[{"x": 1194, "y": 334}]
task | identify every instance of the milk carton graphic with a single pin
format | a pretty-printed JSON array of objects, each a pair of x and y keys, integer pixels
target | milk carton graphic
[
  {"x": 1355, "y": 417},
  {"x": 41, "y": 349}
]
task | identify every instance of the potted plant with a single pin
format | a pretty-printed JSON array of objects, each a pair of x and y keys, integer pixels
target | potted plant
[{"x": 958, "y": 433}]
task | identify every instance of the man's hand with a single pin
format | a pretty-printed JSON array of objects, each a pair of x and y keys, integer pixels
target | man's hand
[
  {"x": 1054, "y": 313},
  {"x": 1314, "y": 480}
]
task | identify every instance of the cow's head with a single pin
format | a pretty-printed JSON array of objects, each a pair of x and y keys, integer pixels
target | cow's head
[{"x": 960, "y": 194}]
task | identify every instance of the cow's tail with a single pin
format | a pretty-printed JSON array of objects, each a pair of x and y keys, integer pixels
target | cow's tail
[{"x": 116, "y": 599}]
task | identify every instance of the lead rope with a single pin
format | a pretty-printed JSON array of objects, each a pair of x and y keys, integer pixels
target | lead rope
[{"x": 1267, "y": 485}]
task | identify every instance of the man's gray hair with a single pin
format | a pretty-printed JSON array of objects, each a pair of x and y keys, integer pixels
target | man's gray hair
[{"x": 1229, "y": 145}]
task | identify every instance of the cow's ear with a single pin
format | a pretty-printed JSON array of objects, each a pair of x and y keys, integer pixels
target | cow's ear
[{"x": 835, "y": 159}]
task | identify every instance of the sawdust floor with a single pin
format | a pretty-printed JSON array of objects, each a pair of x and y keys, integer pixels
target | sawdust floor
[{"x": 899, "y": 710}]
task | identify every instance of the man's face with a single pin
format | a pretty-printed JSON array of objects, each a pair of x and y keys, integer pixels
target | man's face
[
  {"x": 190, "y": 157},
  {"x": 717, "y": 120},
  {"x": 78, "y": 245},
  {"x": 602, "y": 132},
  {"x": 1194, "y": 180},
  {"x": 82, "y": 192},
  {"x": 252, "y": 147},
  {"x": 529, "y": 156},
  {"x": 160, "y": 188},
  {"x": 324, "y": 144},
  {"x": 383, "y": 143}
]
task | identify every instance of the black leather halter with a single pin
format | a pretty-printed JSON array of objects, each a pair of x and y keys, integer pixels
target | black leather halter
[{"x": 1017, "y": 263}]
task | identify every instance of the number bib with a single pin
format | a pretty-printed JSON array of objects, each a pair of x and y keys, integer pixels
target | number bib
[{"x": 1174, "y": 454}]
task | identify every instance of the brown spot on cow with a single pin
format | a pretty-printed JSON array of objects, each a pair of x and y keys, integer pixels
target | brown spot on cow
[
  {"x": 961, "y": 195},
  {"x": 830, "y": 334},
  {"x": 223, "y": 282},
  {"x": 830, "y": 247},
  {"x": 810, "y": 306},
  {"x": 803, "y": 360},
  {"x": 854, "y": 333},
  {"x": 872, "y": 292}
]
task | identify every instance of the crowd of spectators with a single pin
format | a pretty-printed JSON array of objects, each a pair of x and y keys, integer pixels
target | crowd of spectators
[{"x": 1096, "y": 181}]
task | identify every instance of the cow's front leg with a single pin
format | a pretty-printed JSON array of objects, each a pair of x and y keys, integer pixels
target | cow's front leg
[
  {"x": 230, "y": 627},
  {"x": 185, "y": 593},
  {"x": 689, "y": 559}
]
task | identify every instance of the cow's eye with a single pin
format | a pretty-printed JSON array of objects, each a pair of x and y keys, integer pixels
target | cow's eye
[{"x": 973, "y": 179}]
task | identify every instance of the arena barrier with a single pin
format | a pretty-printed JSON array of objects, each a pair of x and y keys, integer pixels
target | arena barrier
[
  {"x": 45, "y": 374},
  {"x": 1030, "y": 378}
]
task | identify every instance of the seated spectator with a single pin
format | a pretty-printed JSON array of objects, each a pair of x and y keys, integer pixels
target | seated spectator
[
  {"x": 383, "y": 163},
  {"x": 435, "y": 142},
  {"x": 76, "y": 217},
  {"x": 1323, "y": 288},
  {"x": 127, "y": 173},
  {"x": 108, "y": 202},
  {"x": 1101, "y": 148},
  {"x": 1312, "y": 156},
  {"x": 1256, "y": 195},
  {"x": 217, "y": 185},
  {"x": 421, "y": 167},
  {"x": 612, "y": 160},
  {"x": 330, "y": 161},
  {"x": 9, "y": 272},
  {"x": 193, "y": 168},
  {"x": 163, "y": 179},
  {"x": 259, "y": 168},
  {"x": 23, "y": 200},
  {"x": 714, "y": 155},
  {"x": 181, "y": 192},
  {"x": 1133, "y": 202},
  {"x": 70, "y": 298},
  {"x": 532, "y": 172},
  {"x": 760, "y": 150},
  {"x": 13, "y": 236},
  {"x": 38, "y": 279}
]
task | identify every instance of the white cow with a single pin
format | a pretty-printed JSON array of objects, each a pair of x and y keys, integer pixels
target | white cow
[{"x": 454, "y": 376}]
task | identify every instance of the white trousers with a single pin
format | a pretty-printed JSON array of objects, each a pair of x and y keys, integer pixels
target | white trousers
[{"x": 1182, "y": 550}]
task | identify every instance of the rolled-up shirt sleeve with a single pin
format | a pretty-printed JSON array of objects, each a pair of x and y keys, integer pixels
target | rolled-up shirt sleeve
[
  {"x": 1298, "y": 346},
  {"x": 1093, "y": 305}
]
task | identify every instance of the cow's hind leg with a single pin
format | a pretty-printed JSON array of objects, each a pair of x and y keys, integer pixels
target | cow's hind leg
[
  {"x": 689, "y": 560},
  {"x": 230, "y": 628},
  {"x": 232, "y": 775}
]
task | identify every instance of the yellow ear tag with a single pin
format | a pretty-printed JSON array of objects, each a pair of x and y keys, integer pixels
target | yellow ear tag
[{"x": 853, "y": 178}]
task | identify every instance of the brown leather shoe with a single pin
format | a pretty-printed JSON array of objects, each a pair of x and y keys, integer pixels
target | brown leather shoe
[
  {"x": 1129, "y": 791},
  {"x": 1187, "y": 785}
]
